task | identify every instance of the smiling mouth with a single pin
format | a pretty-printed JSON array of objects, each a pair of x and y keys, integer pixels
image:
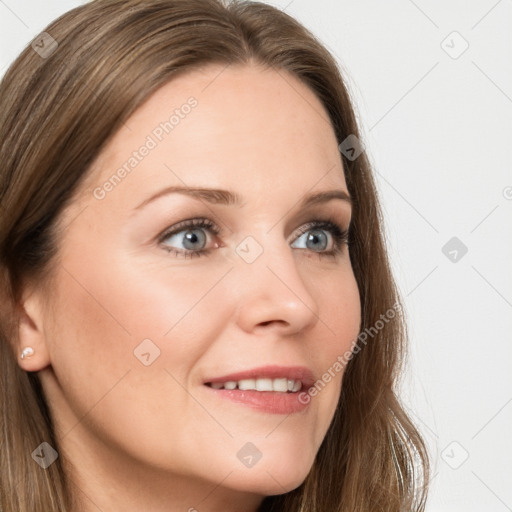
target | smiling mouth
[
  {"x": 279, "y": 385},
  {"x": 270, "y": 389}
]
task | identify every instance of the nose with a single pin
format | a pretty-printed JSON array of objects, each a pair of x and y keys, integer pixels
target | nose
[{"x": 271, "y": 289}]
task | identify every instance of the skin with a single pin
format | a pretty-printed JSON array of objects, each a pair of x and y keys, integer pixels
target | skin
[{"x": 152, "y": 437}]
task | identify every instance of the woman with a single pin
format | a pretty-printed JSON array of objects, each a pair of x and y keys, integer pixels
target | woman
[{"x": 197, "y": 306}]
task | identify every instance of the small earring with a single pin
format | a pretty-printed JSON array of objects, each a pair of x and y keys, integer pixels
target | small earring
[{"x": 27, "y": 352}]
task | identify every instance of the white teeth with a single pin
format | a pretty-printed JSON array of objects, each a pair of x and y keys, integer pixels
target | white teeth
[
  {"x": 247, "y": 384},
  {"x": 264, "y": 385},
  {"x": 281, "y": 385}
]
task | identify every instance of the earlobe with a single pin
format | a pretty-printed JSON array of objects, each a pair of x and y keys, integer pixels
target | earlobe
[{"x": 31, "y": 350}]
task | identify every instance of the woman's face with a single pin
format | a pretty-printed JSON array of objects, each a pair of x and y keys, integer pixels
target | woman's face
[{"x": 146, "y": 309}]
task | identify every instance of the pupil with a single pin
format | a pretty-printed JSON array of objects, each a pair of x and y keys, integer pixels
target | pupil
[
  {"x": 315, "y": 236},
  {"x": 191, "y": 238}
]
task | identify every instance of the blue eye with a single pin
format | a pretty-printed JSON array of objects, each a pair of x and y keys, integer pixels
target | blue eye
[
  {"x": 316, "y": 238},
  {"x": 193, "y": 238},
  {"x": 191, "y": 234}
]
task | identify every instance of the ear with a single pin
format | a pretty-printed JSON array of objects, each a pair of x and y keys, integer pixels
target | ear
[{"x": 31, "y": 334}]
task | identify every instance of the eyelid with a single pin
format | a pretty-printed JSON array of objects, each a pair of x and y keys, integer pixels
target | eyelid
[
  {"x": 201, "y": 222},
  {"x": 339, "y": 234},
  {"x": 206, "y": 223}
]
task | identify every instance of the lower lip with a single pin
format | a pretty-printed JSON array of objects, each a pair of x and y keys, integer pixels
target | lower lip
[{"x": 273, "y": 402}]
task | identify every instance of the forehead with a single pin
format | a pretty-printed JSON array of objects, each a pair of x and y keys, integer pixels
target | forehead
[{"x": 217, "y": 125}]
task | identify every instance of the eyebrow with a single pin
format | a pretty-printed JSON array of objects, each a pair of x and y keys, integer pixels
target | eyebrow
[{"x": 230, "y": 198}]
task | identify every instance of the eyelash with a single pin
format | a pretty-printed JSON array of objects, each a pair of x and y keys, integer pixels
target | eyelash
[{"x": 340, "y": 236}]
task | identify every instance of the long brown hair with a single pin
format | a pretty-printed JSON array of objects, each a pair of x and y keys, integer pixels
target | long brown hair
[{"x": 58, "y": 109}]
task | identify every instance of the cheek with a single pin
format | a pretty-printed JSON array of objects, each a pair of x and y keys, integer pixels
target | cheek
[
  {"x": 340, "y": 312},
  {"x": 130, "y": 300},
  {"x": 101, "y": 318},
  {"x": 111, "y": 318}
]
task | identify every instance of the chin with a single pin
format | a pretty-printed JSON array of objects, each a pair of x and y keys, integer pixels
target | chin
[{"x": 279, "y": 474}]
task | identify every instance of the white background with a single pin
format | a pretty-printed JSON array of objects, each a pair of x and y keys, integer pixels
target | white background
[{"x": 438, "y": 131}]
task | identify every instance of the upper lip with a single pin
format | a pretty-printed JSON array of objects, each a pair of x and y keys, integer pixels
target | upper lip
[{"x": 305, "y": 375}]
